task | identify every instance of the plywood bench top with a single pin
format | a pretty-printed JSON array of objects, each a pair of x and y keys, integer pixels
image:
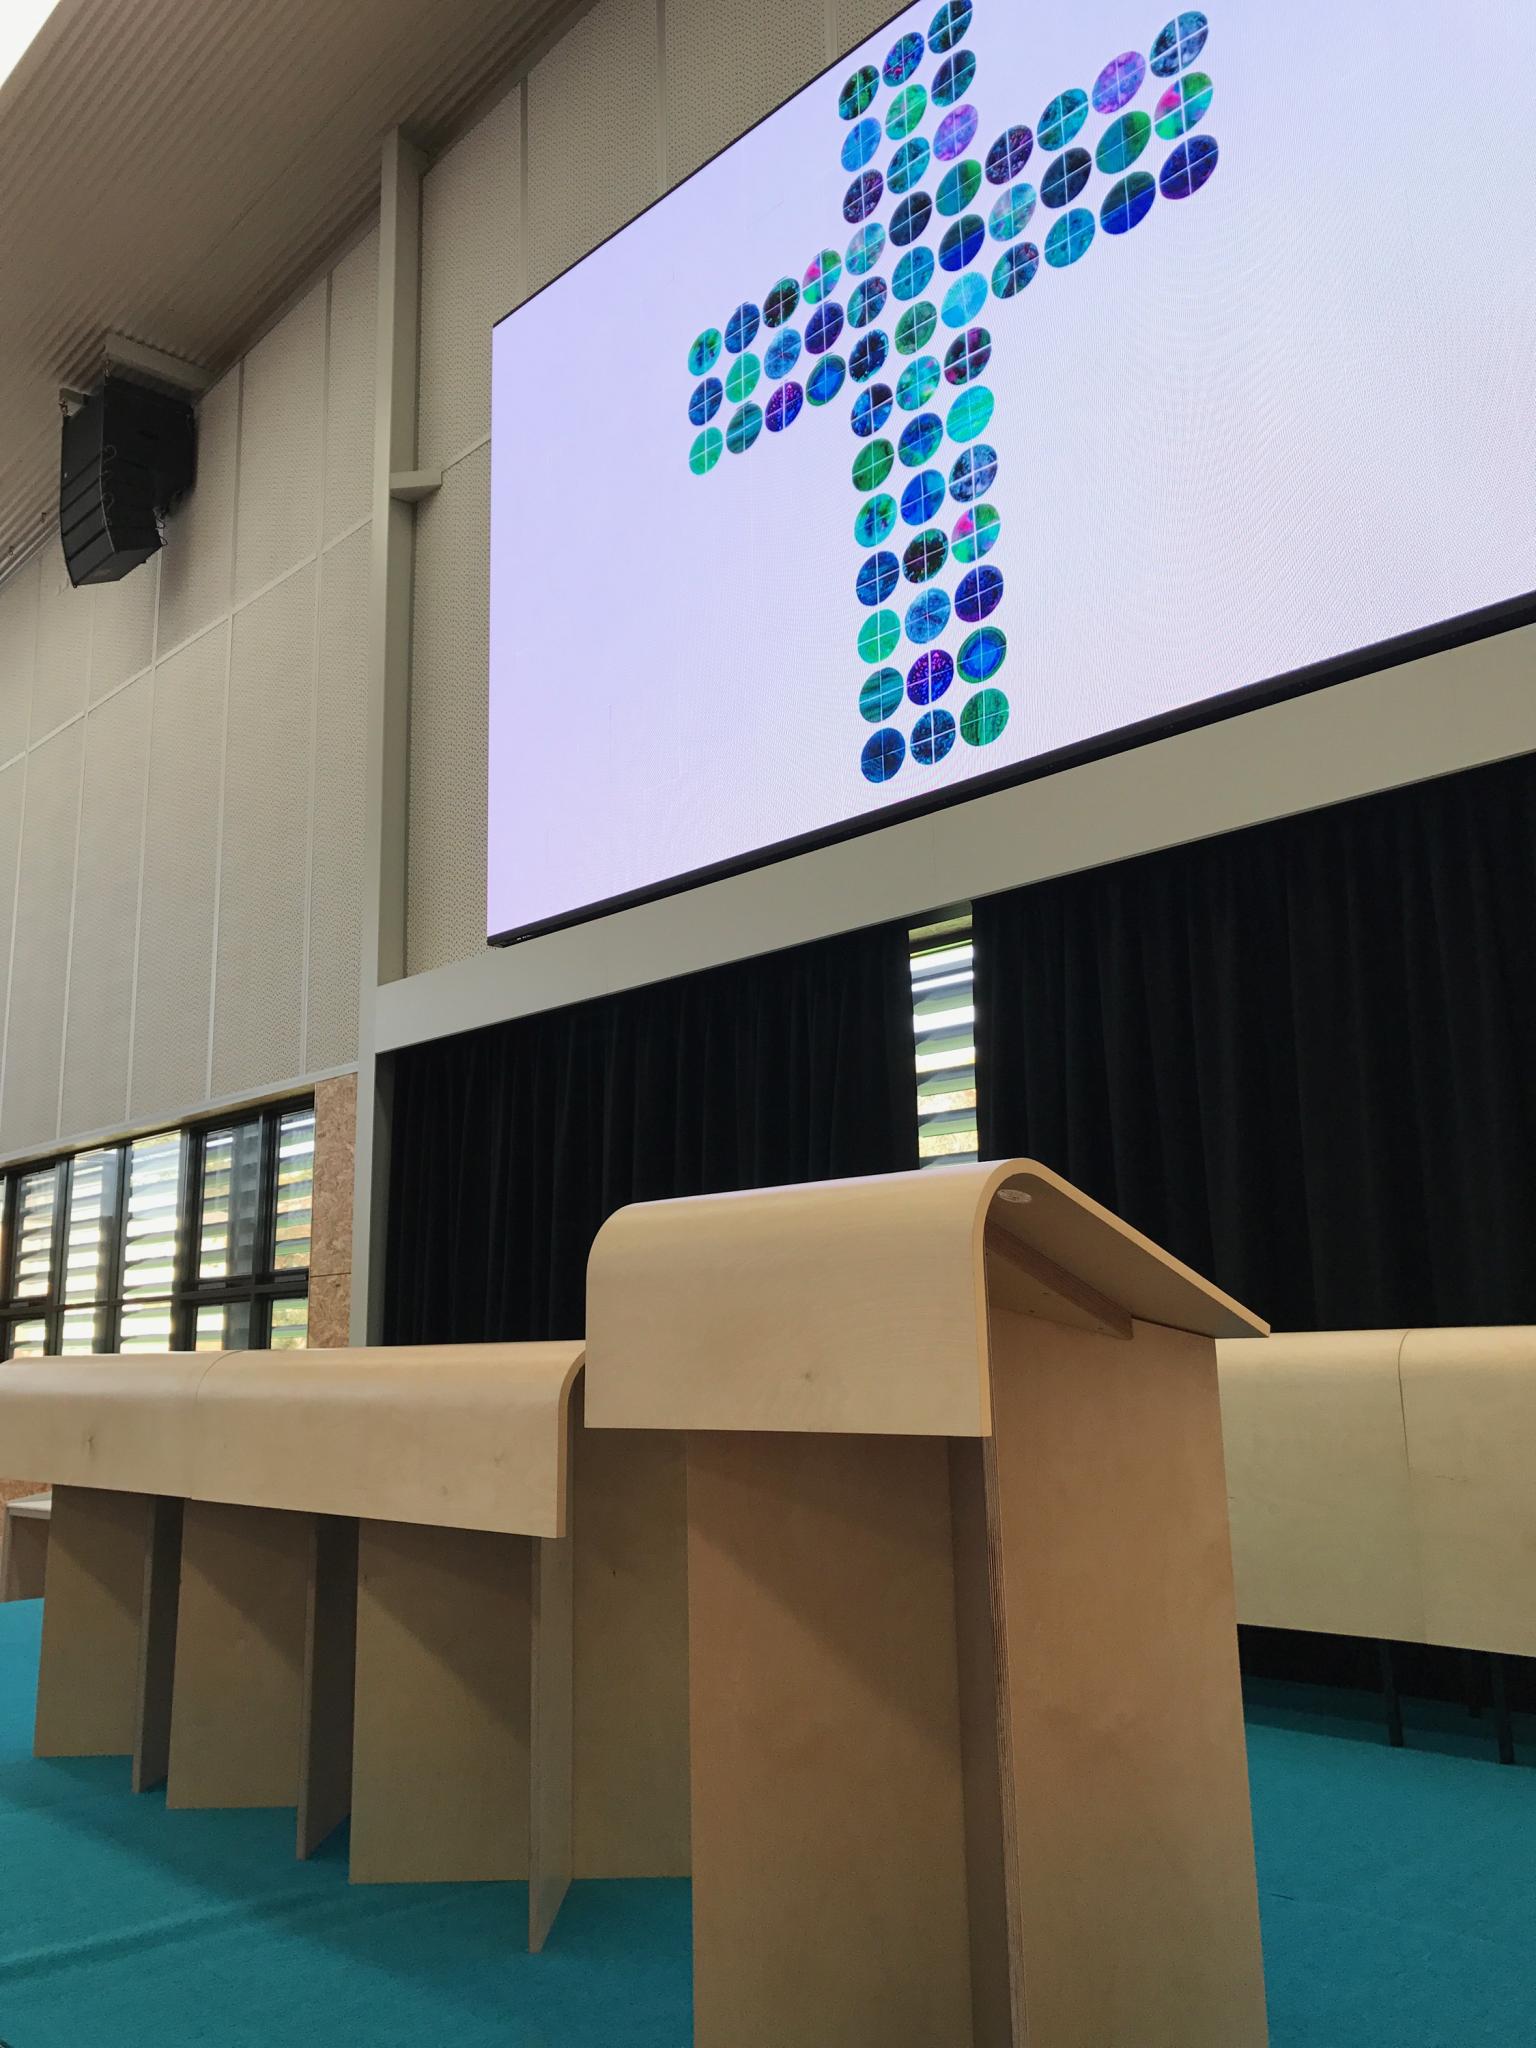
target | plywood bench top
[
  {"x": 471, "y": 1436},
  {"x": 860, "y": 1305}
]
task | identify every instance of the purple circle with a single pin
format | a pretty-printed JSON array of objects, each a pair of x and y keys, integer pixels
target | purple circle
[
  {"x": 784, "y": 407},
  {"x": 955, "y": 132},
  {"x": 1119, "y": 82},
  {"x": 930, "y": 676}
]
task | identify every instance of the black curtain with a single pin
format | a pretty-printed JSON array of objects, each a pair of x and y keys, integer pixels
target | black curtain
[
  {"x": 1302, "y": 1056},
  {"x": 510, "y": 1146}
]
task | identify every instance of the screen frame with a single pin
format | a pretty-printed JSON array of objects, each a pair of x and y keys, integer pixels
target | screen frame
[{"x": 1437, "y": 637}]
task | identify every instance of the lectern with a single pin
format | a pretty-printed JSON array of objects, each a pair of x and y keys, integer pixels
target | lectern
[{"x": 966, "y": 1735}]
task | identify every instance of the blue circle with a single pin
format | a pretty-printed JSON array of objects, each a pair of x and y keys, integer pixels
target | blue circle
[
  {"x": 920, "y": 441},
  {"x": 1128, "y": 203},
  {"x": 910, "y": 218},
  {"x": 974, "y": 473},
  {"x": 871, "y": 410},
  {"x": 903, "y": 59},
  {"x": 865, "y": 249},
  {"x": 963, "y": 242},
  {"x": 826, "y": 380},
  {"x": 784, "y": 407},
  {"x": 741, "y": 327},
  {"x": 1009, "y": 154},
  {"x": 950, "y": 25},
  {"x": 1179, "y": 44},
  {"x": 862, "y": 197},
  {"x": 1188, "y": 166},
  {"x": 983, "y": 653},
  {"x": 1064, "y": 177},
  {"x": 868, "y": 355},
  {"x": 963, "y": 301},
  {"x": 858, "y": 92},
  {"x": 1069, "y": 239},
  {"x": 860, "y": 143},
  {"x": 927, "y": 616},
  {"x": 705, "y": 402},
  {"x": 783, "y": 353},
  {"x": 884, "y": 752},
  {"x": 930, "y": 676},
  {"x": 826, "y": 324},
  {"x": 1015, "y": 270},
  {"x": 932, "y": 737},
  {"x": 867, "y": 302},
  {"x": 908, "y": 164},
  {"x": 878, "y": 577},
  {"x": 980, "y": 593},
  {"x": 913, "y": 274},
  {"x": 922, "y": 498},
  {"x": 924, "y": 557},
  {"x": 954, "y": 77},
  {"x": 1063, "y": 118}
]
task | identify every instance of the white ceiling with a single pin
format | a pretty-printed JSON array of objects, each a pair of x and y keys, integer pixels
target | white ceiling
[{"x": 173, "y": 170}]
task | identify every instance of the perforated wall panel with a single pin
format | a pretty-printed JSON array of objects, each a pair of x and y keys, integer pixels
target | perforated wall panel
[
  {"x": 29, "y": 1105},
  {"x": 96, "y": 1038},
  {"x": 63, "y": 660},
  {"x": 335, "y": 888},
  {"x": 123, "y": 628},
  {"x": 728, "y": 66},
  {"x": 282, "y": 448},
  {"x": 593, "y": 135},
  {"x": 13, "y": 783},
  {"x": 18, "y": 643},
  {"x": 471, "y": 273},
  {"x": 258, "y": 1012},
  {"x": 195, "y": 566},
  {"x": 446, "y": 882},
  {"x": 181, "y": 843},
  {"x": 857, "y": 19},
  {"x": 349, "y": 388}
]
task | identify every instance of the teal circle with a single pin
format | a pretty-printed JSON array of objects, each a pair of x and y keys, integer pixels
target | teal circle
[
  {"x": 872, "y": 465},
  {"x": 964, "y": 300},
  {"x": 746, "y": 424},
  {"x": 906, "y": 112},
  {"x": 1062, "y": 119},
  {"x": 1070, "y": 239},
  {"x": 908, "y": 165},
  {"x": 881, "y": 694},
  {"x": 971, "y": 413},
  {"x": 915, "y": 328},
  {"x": 741, "y": 379},
  {"x": 706, "y": 451},
  {"x": 976, "y": 533},
  {"x": 958, "y": 187},
  {"x": 917, "y": 383},
  {"x": 858, "y": 93},
  {"x": 1122, "y": 142},
  {"x": 912, "y": 275},
  {"x": 705, "y": 352},
  {"x": 878, "y": 637},
  {"x": 982, "y": 654},
  {"x": 821, "y": 276},
  {"x": 1012, "y": 213},
  {"x": 983, "y": 719},
  {"x": 864, "y": 251},
  {"x": 876, "y": 520}
]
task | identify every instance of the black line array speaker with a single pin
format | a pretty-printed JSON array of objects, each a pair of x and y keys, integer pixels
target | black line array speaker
[{"x": 130, "y": 453}]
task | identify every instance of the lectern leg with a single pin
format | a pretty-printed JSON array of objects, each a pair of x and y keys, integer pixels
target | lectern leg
[
  {"x": 829, "y": 1838},
  {"x": 237, "y": 1709},
  {"x": 89, "y": 1676},
  {"x": 551, "y": 1807},
  {"x": 330, "y": 1660},
  {"x": 157, "y": 1646}
]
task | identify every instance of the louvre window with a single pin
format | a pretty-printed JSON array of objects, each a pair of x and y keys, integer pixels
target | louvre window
[{"x": 944, "y": 1026}]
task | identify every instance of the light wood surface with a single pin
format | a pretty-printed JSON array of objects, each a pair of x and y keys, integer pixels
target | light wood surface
[
  {"x": 631, "y": 1711},
  {"x": 157, "y": 1646},
  {"x": 24, "y": 1546},
  {"x": 854, "y": 1306},
  {"x": 237, "y": 1708},
  {"x": 330, "y": 1660},
  {"x": 551, "y": 1805},
  {"x": 829, "y": 1850},
  {"x": 472, "y": 1434},
  {"x": 1324, "y": 1534},
  {"x": 1136, "y": 1909},
  {"x": 89, "y": 1673},
  {"x": 440, "y": 1773}
]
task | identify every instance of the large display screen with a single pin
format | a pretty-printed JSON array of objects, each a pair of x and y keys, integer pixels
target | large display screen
[{"x": 1038, "y": 372}]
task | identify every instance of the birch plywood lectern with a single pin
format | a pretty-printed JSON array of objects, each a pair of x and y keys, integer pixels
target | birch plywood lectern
[{"x": 966, "y": 1732}]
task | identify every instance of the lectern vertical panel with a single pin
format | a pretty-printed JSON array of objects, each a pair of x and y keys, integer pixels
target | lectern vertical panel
[
  {"x": 551, "y": 1806},
  {"x": 330, "y": 1658},
  {"x": 238, "y": 1706},
  {"x": 88, "y": 1679},
  {"x": 157, "y": 1646},
  {"x": 829, "y": 1849},
  {"x": 1137, "y": 1913},
  {"x": 440, "y": 1767}
]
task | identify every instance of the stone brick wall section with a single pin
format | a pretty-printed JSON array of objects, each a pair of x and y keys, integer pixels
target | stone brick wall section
[{"x": 330, "y": 1257}]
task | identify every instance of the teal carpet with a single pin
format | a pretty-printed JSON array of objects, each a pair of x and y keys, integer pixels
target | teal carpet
[{"x": 1398, "y": 1889}]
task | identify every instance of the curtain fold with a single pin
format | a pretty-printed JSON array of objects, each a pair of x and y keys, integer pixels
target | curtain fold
[
  {"x": 1299, "y": 1056},
  {"x": 510, "y": 1146}
]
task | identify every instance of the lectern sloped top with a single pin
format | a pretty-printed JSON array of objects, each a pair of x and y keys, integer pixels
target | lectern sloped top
[
  {"x": 861, "y": 1306},
  {"x": 466, "y": 1436}
]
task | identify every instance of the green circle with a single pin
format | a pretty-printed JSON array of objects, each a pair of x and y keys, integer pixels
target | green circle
[
  {"x": 706, "y": 450},
  {"x": 1123, "y": 141},
  {"x": 741, "y": 379},
  {"x": 958, "y": 186},
  {"x": 705, "y": 352},
  {"x": 906, "y": 112},
  {"x": 881, "y": 694},
  {"x": 876, "y": 520},
  {"x": 983, "y": 719},
  {"x": 879, "y": 636},
  {"x": 977, "y": 533},
  {"x": 746, "y": 424},
  {"x": 872, "y": 465},
  {"x": 970, "y": 413},
  {"x": 914, "y": 330},
  {"x": 821, "y": 277},
  {"x": 917, "y": 384}
]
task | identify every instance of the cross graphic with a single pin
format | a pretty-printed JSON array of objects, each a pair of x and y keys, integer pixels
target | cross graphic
[{"x": 939, "y": 288}]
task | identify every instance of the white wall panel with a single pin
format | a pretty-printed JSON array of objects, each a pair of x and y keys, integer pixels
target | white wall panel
[
  {"x": 18, "y": 644},
  {"x": 593, "y": 133},
  {"x": 336, "y": 878},
  {"x": 97, "y": 1033},
  {"x": 13, "y": 784},
  {"x": 180, "y": 888},
  {"x": 282, "y": 447},
  {"x": 29, "y": 1104},
  {"x": 258, "y": 1010},
  {"x": 349, "y": 388},
  {"x": 722, "y": 78},
  {"x": 63, "y": 660},
  {"x": 446, "y": 837},
  {"x": 123, "y": 628},
  {"x": 471, "y": 273},
  {"x": 196, "y": 564}
]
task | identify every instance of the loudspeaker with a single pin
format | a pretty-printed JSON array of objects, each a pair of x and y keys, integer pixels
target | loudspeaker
[{"x": 129, "y": 454}]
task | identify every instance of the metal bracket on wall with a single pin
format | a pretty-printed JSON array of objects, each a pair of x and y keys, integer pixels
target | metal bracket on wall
[
  {"x": 122, "y": 353},
  {"x": 410, "y": 486}
]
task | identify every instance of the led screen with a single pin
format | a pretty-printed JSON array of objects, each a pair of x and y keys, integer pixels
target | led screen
[{"x": 1037, "y": 372}]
